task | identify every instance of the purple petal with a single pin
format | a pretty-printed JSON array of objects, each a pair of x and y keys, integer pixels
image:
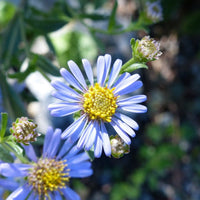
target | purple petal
[
  {"x": 30, "y": 152},
  {"x": 88, "y": 70},
  {"x": 47, "y": 140},
  {"x": 80, "y": 173},
  {"x": 65, "y": 148},
  {"x": 121, "y": 78},
  {"x": 132, "y": 87},
  {"x": 54, "y": 144},
  {"x": 73, "y": 151},
  {"x": 70, "y": 79},
  {"x": 70, "y": 194},
  {"x": 115, "y": 71},
  {"x": 135, "y": 108},
  {"x": 63, "y": 88},
  {"x": 75, "y": 126},
  {"x": 14, "y": 169},
  {"x": 128, "y": 120},
  {"x": 100, "y": 70},
  {"x": 77, "y": 73},
  {"x": 121, "y": 133},
  {"x": 106, "y": 140},
  {"x": 63, "y": 109},
  {"x": 81, "y": 157},
  {"x": 124, "y": 126},
  {"x": 132, "y": 100},
  {"x": 92, "y": 136},
  {"x": 9, "y": 184},
  {"x": 57, "y": 195},
  {"x": 65, "y": 97},
  {"x": 85, "y": 134},
  {"x": 126, "y": 82},
  {"x": 83, "y": 165},
  {"x": 98, "y": 147},
  {"x": 20, "y": 193}
]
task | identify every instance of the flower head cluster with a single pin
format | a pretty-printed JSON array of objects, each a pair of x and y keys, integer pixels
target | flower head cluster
[
  {"x": 99, "y": 103},
  {"x": 118, "y": 147},
  {"x": 149, "y": 48},
  {"x": 24, "y": 130},
  {"x": 48, "y": 177},
  {"x": 154, "y": 11}
]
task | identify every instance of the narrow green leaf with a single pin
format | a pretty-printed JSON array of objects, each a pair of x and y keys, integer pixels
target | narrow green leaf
[
  {"x": 45, "y": 65},
  {"x": 11, "y": 99},
  {"x": 135, "y": 66},
  {"x": 112, "y": 20},
  {"x": 10, "y": 41},
  {"x": 4, "y": 120},
  {"x": 5, "y": 155},
  {"x": 15, "y": 147}
]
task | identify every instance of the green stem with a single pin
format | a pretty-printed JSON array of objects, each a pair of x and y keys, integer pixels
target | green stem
[
  {"x": 45, "y": 76},
  {"x": 20, "y": 157},
  {"x": 127, "y": 64}
]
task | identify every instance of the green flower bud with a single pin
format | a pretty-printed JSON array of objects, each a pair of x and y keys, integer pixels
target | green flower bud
[
  {"x": 23, "y": 130},
  {"x": 145, "y": 50},
  {"x": 118, "y": 147}
]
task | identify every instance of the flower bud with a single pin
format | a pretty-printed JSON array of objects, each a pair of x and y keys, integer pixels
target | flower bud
[
  {"x": 118, "y": 147},
  {"x": 23, "y": 129},
  {"x": 154, "y": 11},
  {"x": 147, "y": 49}
]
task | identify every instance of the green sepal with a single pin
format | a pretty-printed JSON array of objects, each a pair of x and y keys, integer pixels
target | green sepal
[
  {"x": 5, "y": 155},
  {"x": 4, "y": 120}
]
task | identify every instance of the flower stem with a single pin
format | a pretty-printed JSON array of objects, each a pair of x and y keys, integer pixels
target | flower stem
[{"x": 127, "y": 64}]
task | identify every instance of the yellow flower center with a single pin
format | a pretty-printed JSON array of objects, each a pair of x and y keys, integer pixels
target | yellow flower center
[
  {"x": 48, "y": 175},
  {"x": 100, "y": 103}
]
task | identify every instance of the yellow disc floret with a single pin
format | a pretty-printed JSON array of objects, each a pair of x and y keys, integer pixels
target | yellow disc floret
[
  {"x": 100, "y": 103},
  {"x": 48, "y": 175}
]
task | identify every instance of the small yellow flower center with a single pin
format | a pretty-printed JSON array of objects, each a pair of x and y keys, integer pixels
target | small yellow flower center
[
  {"x": 48, "y": 175},
  {"x": 100, "y": 103}
]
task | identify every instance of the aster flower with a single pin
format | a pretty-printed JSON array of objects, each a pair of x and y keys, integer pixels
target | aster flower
[
  {"x": 48, "y": 177},
  {"x": 99, "y": 103},
  {"x": 154, "y": 11}
]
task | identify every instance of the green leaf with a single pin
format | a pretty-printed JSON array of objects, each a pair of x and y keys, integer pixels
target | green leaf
[
  {"x": 45, "y": 24},
  {"x": 91, "y": 154},
  {"x": 15, "y": 147},
  {"x": 21, "y": 76},
  {"x": 11, "y": 99},
  {"x": 5, "y": 155},
  {"x": 112, "y": 21},
  {"x": 4, "y": 120},
  {"x": 45, "y": 65},
  {"x": 135, "y": 66},
  {"x": 10, "y": 41}
]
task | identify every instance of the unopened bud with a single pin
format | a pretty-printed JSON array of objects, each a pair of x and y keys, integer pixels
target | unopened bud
[
  {"x": 23, "y": 129},
  {"x": 148, "y": 49},
  {"x": 118, "y": 147}
]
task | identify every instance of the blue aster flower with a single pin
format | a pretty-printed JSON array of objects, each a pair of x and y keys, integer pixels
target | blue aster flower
[
  {"x": 48, "y": 177},
  {"x": 100, "y": 102}
]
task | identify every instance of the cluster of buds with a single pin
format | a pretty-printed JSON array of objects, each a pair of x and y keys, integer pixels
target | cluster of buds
[
  {"x": 145, "y": 50},
  {"x": 154, "y": 11},
  {"x": 23, "y": 130},
  {"x": 118, "y": 147}
]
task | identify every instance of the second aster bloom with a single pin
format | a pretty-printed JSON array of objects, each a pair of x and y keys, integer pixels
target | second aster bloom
[
  {"x": 99, "y": 103},
  {"x": 154, "y": 11},
  {"x": 48, "y": 177}
]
